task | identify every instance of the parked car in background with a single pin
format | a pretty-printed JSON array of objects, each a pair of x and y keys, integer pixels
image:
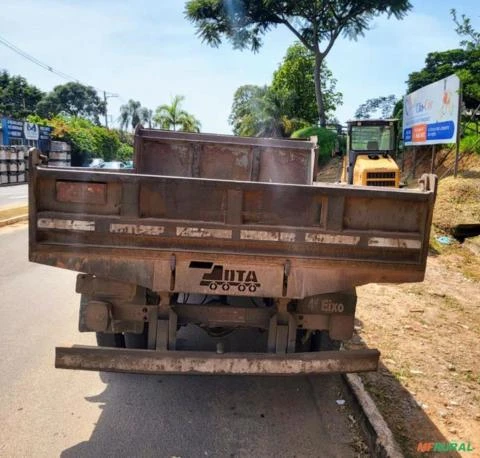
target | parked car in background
[
  {"x": 129, "y": 164},
  {"x": 113, "y": 165},
  {"x": 96, "y": 162}
]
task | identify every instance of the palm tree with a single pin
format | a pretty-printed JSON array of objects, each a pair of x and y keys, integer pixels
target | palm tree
[
  {"x": 130, "y": 114},
  {"x": 259, "y": 112},
  {"x": 266, "y": 117},
  {"x": 146, "y": 116},
  {"x": 189, "y": 123},
  {"x": 172, "y": 117}
]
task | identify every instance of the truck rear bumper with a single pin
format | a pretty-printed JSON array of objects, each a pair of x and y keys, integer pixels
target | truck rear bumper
[{"x": 185, "y": 362}]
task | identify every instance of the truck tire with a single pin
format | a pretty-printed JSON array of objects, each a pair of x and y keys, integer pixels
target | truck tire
[
  {"x": 321, "y": 341},
  {"x": 133, "y": 340},
  {"x": 318, "y": 341},
  {"x": 110, "y": 340}
]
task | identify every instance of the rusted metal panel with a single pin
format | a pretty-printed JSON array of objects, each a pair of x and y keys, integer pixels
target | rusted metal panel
[
  {"x": 363, "y": 213},
  {"x": 86, "y": 193},
  {"x": 106, "y": 287},
  {"x": 285, "y": 166},
  {"x": 226, "y": 162},
  {"x": 224, "y": 157},
  {"x": 341, "y": 326},
  {"x": 239, "y": 226},
  {"x": 47, "y": 197},
  {"x": 183, "y": 201},
  {"x": 182, "y": 362},
  {"x": 153, "y": 270}
]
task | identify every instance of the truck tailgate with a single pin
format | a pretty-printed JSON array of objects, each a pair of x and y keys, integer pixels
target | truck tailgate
[{"x": 233, "y": 237}]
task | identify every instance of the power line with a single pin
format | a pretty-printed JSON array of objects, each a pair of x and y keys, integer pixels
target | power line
[{"x": 45, "y": 66}]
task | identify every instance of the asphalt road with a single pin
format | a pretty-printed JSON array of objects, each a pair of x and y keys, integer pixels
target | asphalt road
[
  {"x": 47, "y": 412},
  {"x": 13, "y": 195}
]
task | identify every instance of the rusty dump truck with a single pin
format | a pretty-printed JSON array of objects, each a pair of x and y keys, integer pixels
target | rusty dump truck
[{"x": 226, "y": 236}]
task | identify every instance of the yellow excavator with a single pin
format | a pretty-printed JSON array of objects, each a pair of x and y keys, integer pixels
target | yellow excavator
[{"x": 371, "y": 145}]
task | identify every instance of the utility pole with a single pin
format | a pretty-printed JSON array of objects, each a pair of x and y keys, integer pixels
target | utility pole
[{"x": 105, "y": 97}]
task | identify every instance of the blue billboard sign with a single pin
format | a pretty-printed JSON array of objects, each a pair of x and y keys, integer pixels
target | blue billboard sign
[{"x": 25, "y": 133}]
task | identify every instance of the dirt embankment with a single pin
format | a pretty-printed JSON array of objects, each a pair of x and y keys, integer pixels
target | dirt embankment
[{"x": 428, "y": 386}]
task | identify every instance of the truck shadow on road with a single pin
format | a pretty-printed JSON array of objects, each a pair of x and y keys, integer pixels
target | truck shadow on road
[
  {"x": 246, "y": 416},
  {"x": 192, "y": 415},
  {"x": 187, "y": 416}
]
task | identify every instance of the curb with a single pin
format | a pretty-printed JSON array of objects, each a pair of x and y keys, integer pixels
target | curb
[
  {"x": 11, "y": 214},
  {"x": 13, "y": 220},
  {"x": 379, "y": 436}
]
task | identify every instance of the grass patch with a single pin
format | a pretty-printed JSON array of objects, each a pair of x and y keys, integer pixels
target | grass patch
[{"x": 458, "y": 202}]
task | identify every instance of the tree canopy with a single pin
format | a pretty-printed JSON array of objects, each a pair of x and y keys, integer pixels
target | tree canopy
[
  {"x": 465, "y": 62},
  {"x": 247, "y": 102},
  {"x": 315, "y": 23},
  {"x": 18, "y": 99},
  {"x": 73, "y": 99},
  {"x": 288, "y": 103},
  {"x": 293, "y": 82},
  {"x": 379, "y": 107},
  {"x": 259, "y": 111}
]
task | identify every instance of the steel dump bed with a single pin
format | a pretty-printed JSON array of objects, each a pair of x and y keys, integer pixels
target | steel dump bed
[{"x": 201, "y": 212}]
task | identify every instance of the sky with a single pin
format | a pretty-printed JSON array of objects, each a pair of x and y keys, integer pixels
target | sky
[{"x": 147, "y": 51}]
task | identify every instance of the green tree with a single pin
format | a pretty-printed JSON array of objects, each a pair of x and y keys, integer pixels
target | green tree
[
  {"x": 293, "y": 81},
  {"x": 260, "y": 111},
  {"x": 247, "y": 102},
  {"x": 173, "y": 117},
  {"x": 439, "y": 65},
  {"x": 131, "y": 114},
  {"x": 125, "y": 152},
  {"x": 380, "y": 107},
  {"x": 315, "y": 23},
  {"x": 465, "y": 29},
  {"x": 106, "y": 141},
  {"x": 72, "y": 99},
  {"x": 18, "y": 99}
]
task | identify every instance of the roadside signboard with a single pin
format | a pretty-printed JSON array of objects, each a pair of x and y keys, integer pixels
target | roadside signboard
[
  {"x": 30, "y": 131},
  {"x": 430, "y": 114},
  {"x": 25, "y": 133}
]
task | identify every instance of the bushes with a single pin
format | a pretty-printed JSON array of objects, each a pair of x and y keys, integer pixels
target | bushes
[
  {"x": 470, "y": 144},
  {"x": 125, "y": 152},
  {"x": 328, "y": 140},
  {"x": 87, "y": 139},
  {"x": 107, "y": 143}
]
